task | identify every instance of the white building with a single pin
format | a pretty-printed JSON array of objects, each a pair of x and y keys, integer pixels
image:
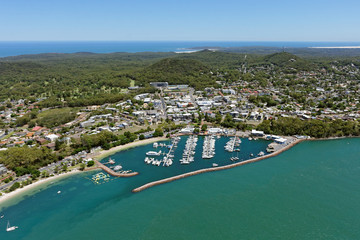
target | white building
[
  {"x": 51, "y": 137},
  {"x": 214, "y": 130}
]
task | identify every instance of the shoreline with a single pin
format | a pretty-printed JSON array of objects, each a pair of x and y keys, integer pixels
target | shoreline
[
  {"x": 105, "y": 153},
  {"x": 8, "y": 196},
  {"x": 343, "y": 47},
  {"x": 99, "y": 155},
  {"x": 213, "y": 169}
]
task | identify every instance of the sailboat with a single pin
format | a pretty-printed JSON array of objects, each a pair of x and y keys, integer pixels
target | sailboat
[{"x": 10, "y": 228}]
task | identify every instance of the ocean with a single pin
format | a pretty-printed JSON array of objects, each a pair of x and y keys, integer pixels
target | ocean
[
  {"x": 21, "y": 48},
  {"x": 308, "y": 192}
]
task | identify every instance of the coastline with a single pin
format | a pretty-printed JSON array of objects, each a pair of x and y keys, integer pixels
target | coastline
[
  {"x": 170, "y": 179},
  {"x": 343, "y": 47},
  {"x": 99, "y": 155},
  {"x": 8, "y": 196},
  {"x": 105, "y": 153}
]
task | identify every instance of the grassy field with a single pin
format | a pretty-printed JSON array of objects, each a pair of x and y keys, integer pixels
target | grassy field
[{"x": 55, "y": 117}]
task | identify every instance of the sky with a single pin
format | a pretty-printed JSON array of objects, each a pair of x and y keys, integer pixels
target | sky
[{"x": 179, "y": 20}]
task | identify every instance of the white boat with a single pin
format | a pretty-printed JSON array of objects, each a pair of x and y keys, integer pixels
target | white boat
[
  {"x": 153, "y": 153},
  {"x": 10, "y": 228},
  {"x": 261, "y": 153},
  {"x": 58, "y": 192},
  {"x": 111, "y": 161},
  {"x": 215, "y": 164},
  {"x": 117, "y": 167},
  {"x": 155, "y": 145}
]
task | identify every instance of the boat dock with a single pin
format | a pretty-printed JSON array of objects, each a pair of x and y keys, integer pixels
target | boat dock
[
  {"x": 208, "y": 147},
  {"x": 234, "y": 142},
  {"x": 112, "y": 172},
  {"x": 189, "y": 150}
]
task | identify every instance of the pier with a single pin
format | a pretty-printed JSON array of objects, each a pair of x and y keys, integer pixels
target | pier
[{"x": 112, "y": 172}]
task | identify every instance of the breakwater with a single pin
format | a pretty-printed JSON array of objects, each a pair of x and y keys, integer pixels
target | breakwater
[
  {"x": 113, "y": 173},
  {"x": 166, "y": 180}
]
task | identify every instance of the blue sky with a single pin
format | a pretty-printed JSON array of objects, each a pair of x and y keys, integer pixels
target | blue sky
[{"x": 227, "y": 20}]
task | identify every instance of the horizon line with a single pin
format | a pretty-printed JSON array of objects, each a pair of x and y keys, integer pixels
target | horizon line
[{"x": 306, "y": 41}]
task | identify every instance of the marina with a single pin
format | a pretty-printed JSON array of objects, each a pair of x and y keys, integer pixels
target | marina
[
  {"x": 167, "y": 159},
  {"x": 182, "y": 154}
]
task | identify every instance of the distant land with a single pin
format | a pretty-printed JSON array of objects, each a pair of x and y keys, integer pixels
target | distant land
[
  {"x": 344, "y": 51},
  {"x": 303, "y": 48}
]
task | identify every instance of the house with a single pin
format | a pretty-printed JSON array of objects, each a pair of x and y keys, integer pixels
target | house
[
  {"x": 88, "y": 123},
  {"x": 29, "y": 134},
  {"x": 37, "y": 128},
  {"x": 41, "y": 141},
  {"x": 3, "y": 169},
  {"x": 52, "y": 137}
]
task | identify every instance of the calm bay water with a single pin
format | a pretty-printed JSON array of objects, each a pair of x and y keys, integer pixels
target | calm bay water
[
  {"x": 308, "y": 192},
  {"x": 20, "y": 48}
]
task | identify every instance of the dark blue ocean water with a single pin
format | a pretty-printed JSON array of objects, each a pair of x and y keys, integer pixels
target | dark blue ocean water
[{"x": 20, "y": 48}]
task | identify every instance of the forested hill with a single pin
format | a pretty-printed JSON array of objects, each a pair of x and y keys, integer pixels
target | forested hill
[
  {"x": 177, "y": 71},
  {"x": 288, "y": 60},
  {"x": 87, "y": 78}
]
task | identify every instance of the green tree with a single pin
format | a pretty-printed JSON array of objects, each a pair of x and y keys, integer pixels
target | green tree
[
  {"x": 158, "y": 132},
  {"x": 90, "y": 163},
  {"x": 14, "y": 186},
  {"x": 82, "y": 166}
]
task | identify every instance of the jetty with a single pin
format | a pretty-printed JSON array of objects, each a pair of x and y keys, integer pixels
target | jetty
[
  {"x": 166, "y": 180},
  {"x": 208, "y": 147},
  {"x": 189, "y": 150},
  {"x": 112, "y": 172}
]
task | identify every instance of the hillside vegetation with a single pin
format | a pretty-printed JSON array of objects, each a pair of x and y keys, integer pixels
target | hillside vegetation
[{"x": 87, "y": 79}]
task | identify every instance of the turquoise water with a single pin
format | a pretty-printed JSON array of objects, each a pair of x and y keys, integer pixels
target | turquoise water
[{"x": 308, "y": 192}]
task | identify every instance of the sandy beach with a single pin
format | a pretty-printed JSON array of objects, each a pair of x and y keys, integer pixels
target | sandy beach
[
  {"x": 28, "y": 188},
  {"x": 344, "y": 47},
  {"x": 104, "y": 153}
]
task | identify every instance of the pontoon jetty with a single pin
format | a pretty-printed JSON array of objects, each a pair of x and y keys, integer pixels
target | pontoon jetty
[
  {"x": 208, "y": 147},
  {"x": 189, "y": 151}
]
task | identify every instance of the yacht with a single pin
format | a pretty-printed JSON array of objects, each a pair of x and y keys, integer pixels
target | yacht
[
  {"x": 261, "y": 153},
  {"x": 111, "y": 161},
  {"x": 117, "y": 167},
  {"x": 153, "y": 153},
  {"x": 10, "y": 228}
]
